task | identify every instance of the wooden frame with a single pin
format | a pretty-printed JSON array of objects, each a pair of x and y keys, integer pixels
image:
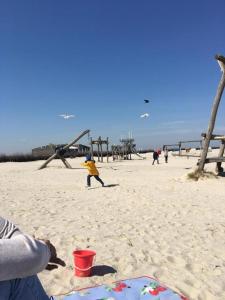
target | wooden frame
[
  {"x": 57, "y": 154},
  {"x": 99, "y": 142},
  {"x": 209, "y": 134}
]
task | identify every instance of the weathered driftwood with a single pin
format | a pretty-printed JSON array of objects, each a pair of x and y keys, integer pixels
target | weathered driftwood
[
  {"x": 64, "y": 148},
  {"x": 212, "y": 120}
]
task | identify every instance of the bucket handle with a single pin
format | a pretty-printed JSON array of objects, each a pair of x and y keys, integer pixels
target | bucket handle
[{"x": 76, "y": 267}]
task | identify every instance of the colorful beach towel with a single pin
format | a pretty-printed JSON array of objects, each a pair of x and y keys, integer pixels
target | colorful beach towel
[{"x": 142, "y": 288}]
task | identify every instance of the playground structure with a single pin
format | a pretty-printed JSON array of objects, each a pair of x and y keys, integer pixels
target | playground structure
[
  {"x": 99, "y": 142},
  {"x": 59, "y": 152},
  {"x": 187, "y": 150},
  {"x": 208, "y": 136},
  {"x": 124, "y": 150},
  {"x": 220, "y": 158}
]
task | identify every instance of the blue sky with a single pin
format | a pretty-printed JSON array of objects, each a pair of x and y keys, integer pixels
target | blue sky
[{"x": 98, "y": 60}]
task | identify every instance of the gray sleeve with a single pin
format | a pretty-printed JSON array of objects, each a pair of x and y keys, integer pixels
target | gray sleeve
[
  {"x": 8, "y": 229},
  {"x": 22, "y": 256}
]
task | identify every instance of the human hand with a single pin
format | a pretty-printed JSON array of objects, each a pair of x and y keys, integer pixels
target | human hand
[{"x": 54, "y": 260}]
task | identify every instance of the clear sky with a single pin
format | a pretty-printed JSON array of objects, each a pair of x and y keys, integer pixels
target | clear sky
[{"x": 98, "y": 60}]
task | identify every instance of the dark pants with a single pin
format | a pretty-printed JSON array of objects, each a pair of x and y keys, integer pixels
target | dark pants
[
  {"x": 96, "y": 177},
  {"x": 28, "y": 288},
  {"x": 166, "y": 158},
  {"x": 154, "y": 160}
]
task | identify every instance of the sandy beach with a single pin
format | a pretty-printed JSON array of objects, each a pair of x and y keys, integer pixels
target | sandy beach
[{"x": 152, "y": 221}]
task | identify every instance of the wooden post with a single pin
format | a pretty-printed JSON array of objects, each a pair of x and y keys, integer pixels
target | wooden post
[
  {"x": 100, "y": 144},
  {"x": 92, "y": 151},
  {"x": 212, "y": 120},
  {"x": 98, "y": 152},
  {"x": 107, "y": 149},
  {"x": 64, "y": 148},
  {"x": 219, "y": 168},
  {"x": 67, "y": 165}
]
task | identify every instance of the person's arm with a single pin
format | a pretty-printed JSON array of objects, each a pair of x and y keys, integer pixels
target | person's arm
[
  {"x": 20, "y": 255},
  {"x": 8, "y": 229},
  {"x": 85, "y": 164}
]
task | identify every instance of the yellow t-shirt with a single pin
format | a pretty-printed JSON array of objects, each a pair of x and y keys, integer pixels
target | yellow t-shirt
[{"x": 90, "y": 165}]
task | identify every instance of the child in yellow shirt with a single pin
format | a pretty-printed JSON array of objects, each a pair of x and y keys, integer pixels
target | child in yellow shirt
[{"x": 92, "y": 170}]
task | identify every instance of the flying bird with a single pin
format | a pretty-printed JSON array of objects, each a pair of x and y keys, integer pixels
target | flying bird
[
  {"x": 146, "y": 115},
  {"x": 146, "y": 100},
  {"x": 66, "y": 117}
]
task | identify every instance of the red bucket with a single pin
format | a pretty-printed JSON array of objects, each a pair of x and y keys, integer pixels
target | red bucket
[{"x": 83, "y": 260}]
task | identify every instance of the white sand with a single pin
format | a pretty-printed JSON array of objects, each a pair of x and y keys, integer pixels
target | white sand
[{"x": 154, "y": 222}]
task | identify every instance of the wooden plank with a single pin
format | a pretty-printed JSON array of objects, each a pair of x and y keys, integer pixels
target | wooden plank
[
  {"x": 186, "y": 155},
  {"x": 214, "y": 159},
  {"x": 195, "y": 141},
  {"x": 214, "y": 136}
]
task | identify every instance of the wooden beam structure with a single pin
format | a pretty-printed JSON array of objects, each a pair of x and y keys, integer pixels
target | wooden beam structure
[
  {"x": 221, "y": 60},
  {"x": 215, "y": 137},
  {"x": 57, "y": 154},
  {"x": 99, "y": 142},
  {"x": 214, "y": 159}
]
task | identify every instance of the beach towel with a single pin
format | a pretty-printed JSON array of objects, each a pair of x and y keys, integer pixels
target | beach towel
[{"x": 142, "y": 288}]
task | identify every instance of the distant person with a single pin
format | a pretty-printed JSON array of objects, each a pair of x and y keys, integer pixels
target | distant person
[
  {"x": 92, "y": 170},
  {"x": 155, "y": 157},
  {"x": 166, "y": 154},
  {"x": 21, "y": 258}
]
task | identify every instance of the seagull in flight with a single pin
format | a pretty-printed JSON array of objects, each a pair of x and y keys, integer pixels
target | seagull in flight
[
  {"x": 146, "y": 115},
  {"x": 66, "y": 117},
  {"x": 146, "y": 100}
]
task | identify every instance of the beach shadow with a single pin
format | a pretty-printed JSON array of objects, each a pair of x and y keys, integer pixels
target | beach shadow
[
  {"x": 102, "y": 270},
  {"x": 111, "y": 185},
  {"x": 188, "y": 168}
]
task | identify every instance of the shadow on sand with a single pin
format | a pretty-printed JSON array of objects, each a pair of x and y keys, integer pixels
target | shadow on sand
[
  {"x": 100, "y": 187},
  {"x": 102, "y": 270},
  {"x": 111, "y": 185}
]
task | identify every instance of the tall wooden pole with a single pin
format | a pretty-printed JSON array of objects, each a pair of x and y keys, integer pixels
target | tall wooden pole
[{"x": 221, "y": 61}]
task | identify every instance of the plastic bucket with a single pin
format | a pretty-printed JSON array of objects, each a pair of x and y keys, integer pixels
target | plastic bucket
[{"x": 83, "y": 260}]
